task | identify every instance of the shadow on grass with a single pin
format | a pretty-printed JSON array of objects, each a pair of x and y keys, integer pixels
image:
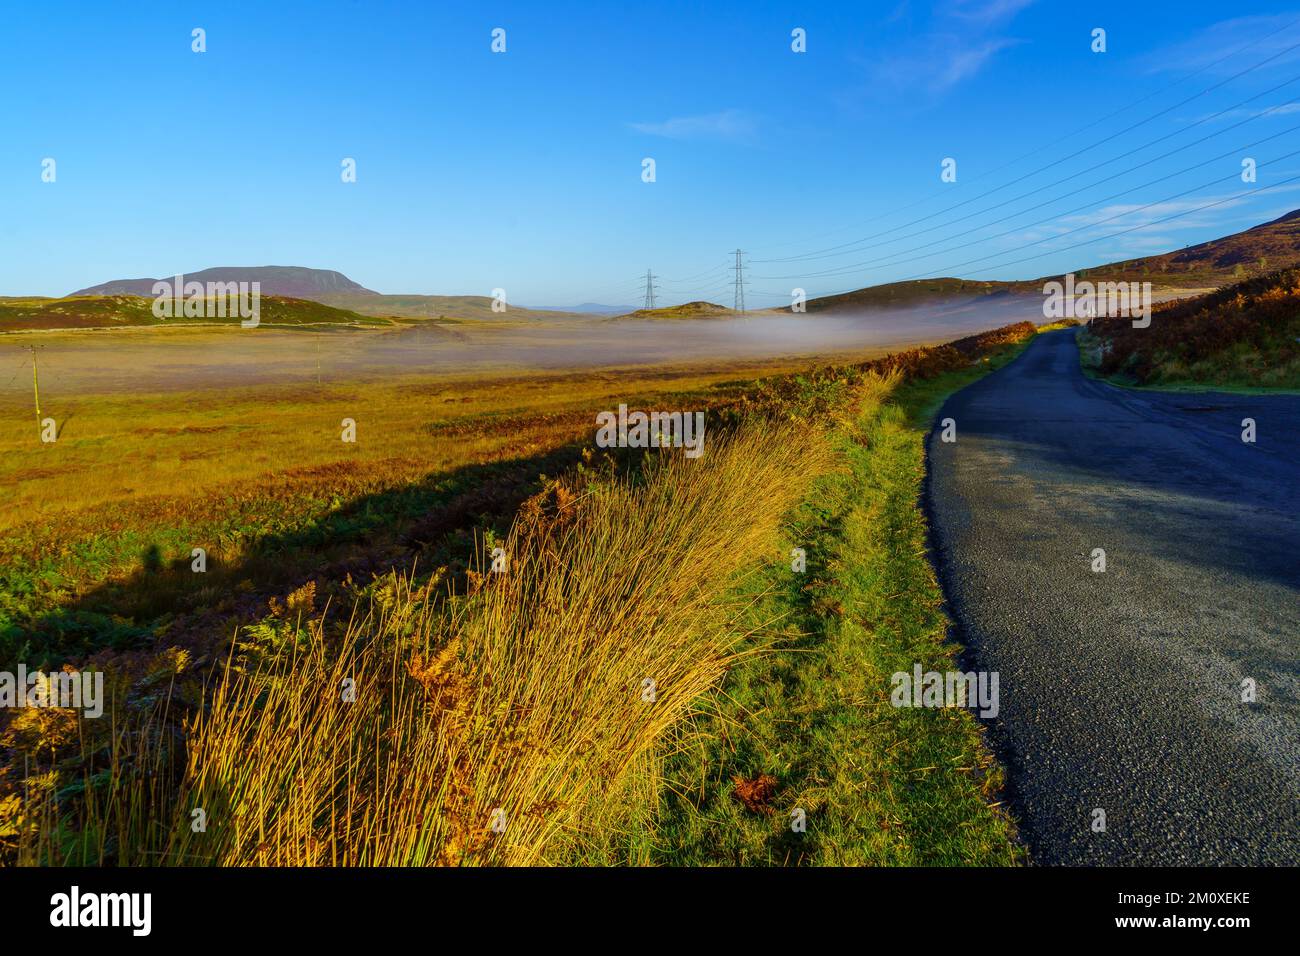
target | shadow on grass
[{"x": 429, "y": 523}]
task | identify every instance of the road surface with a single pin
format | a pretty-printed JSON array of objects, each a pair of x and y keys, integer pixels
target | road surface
[{"x": 1121, "y": 690}]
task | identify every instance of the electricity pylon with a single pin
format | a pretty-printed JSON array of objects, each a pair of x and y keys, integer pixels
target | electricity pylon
[
  {"x": 740, "y": 282},
  {"x": 649, "y": 289}
]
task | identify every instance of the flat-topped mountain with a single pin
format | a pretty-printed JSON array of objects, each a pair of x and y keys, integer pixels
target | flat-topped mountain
[{"x": 296, "y": 282}]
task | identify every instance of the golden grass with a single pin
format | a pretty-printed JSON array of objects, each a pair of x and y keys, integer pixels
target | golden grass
[
  {"x": 161, "y": 447},
  {"x": 502, "y": 730}
]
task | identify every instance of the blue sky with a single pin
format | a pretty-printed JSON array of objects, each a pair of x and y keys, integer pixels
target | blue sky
[{"x": 522, "y": 170}]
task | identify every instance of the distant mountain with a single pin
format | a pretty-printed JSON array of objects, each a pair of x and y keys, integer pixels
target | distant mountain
[{"x": 292, "y": 281}]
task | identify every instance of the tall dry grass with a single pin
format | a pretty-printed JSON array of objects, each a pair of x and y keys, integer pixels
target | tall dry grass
[{"x": 507, "y": 727}]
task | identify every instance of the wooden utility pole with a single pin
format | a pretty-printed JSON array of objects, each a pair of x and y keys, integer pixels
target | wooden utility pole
[
  {"x": 36, "y": 387},
  {"x": 315, "y": 335}
]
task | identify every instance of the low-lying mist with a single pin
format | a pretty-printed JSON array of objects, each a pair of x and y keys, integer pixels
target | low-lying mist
[
  {"x": 199, "y": 358},
  {"x": 760, "y": 335}
]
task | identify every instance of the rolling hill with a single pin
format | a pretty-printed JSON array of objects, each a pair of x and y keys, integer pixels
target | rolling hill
[
  {"x": 131, "y": 311},
  {"x": 1260, "y": 249},
  {"x": 687, "y": 310},
  {"x": 893, "y": 295},
  {"x": 1255, "y": 251}
]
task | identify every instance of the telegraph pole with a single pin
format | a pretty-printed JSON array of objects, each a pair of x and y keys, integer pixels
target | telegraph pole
[
  {"x": 315, "y": 337},
  {"x": 740, "y": 282},
  {"x": 36, "y": 386},
  {"x": 649, "y": 289}
]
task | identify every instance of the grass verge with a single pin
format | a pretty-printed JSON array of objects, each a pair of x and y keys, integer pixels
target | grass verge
[{"x": 809, "y": 731}]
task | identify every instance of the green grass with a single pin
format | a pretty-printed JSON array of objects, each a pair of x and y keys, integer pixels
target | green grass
[
  {"x": 1208, "y": 378},
  {"x": 879, "y": 785},
  {"x": 807, "y": 701},
  {"x": 115, "y": 574}
]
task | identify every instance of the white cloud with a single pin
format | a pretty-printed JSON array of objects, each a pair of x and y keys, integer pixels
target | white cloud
[
  {"x": 1129, "y": 215},
  {"x": 1142, "y": 223},
  {"x": 986, "y": 11},
  {"x": 1266, "y": 34},
  {"x": 1285, "y": 109},
  {"x": 734, "y": 125},
  {"x": 936, "y": 63},
  {"x": 965, "y": 63},
  {"x": 962, "y": 38}
]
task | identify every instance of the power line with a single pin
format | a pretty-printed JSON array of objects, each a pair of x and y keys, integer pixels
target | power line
[
  {"x": 884, "y": 261},
  {"x": 1067, "y": 137},
  {"x": 712, "y": 279},
  {"x": 1126, "y": 212},
  {"x": 18, "y": 369},
  {"x": 1107, "y": 162},
  {"x": 739, "y": 282},
  {"x": 1145, "y": 225},
  {"x": 1085, "y": 242},
  {"x": 725, "y": 266},
  {"x": 820, "y": 253}
]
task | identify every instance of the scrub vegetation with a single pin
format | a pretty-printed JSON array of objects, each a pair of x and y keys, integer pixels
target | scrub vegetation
[
  {"x": 353, "y": 680},
  {"x": 1246, "y": 335}
]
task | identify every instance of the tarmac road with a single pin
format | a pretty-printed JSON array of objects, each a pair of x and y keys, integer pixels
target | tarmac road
[{"x": 1122, "y": 690}]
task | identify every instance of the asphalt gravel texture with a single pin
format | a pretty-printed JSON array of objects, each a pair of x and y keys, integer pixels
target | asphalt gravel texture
[{"x": 1122, "y": 690}]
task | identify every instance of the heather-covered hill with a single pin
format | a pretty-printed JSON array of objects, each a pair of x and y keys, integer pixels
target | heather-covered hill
[{"x": 1247, "y": 334}]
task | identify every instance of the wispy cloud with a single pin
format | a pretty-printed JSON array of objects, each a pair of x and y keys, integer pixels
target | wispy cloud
[
  {"x": 986, "y": 11},
  {"x": 1266, "y": 36},
  {"x": 1285, "y": 109},
  {"x": 936, "y": 63},
  {"x": 1156, "y": 223},
  {"x": 959, "y": 64},
  {"x": 1119, "y": 216},
  {"x": 1152, "y": 225},
  {"x": 960, "y": 39},
  {"x": 730, "y": 125}
]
